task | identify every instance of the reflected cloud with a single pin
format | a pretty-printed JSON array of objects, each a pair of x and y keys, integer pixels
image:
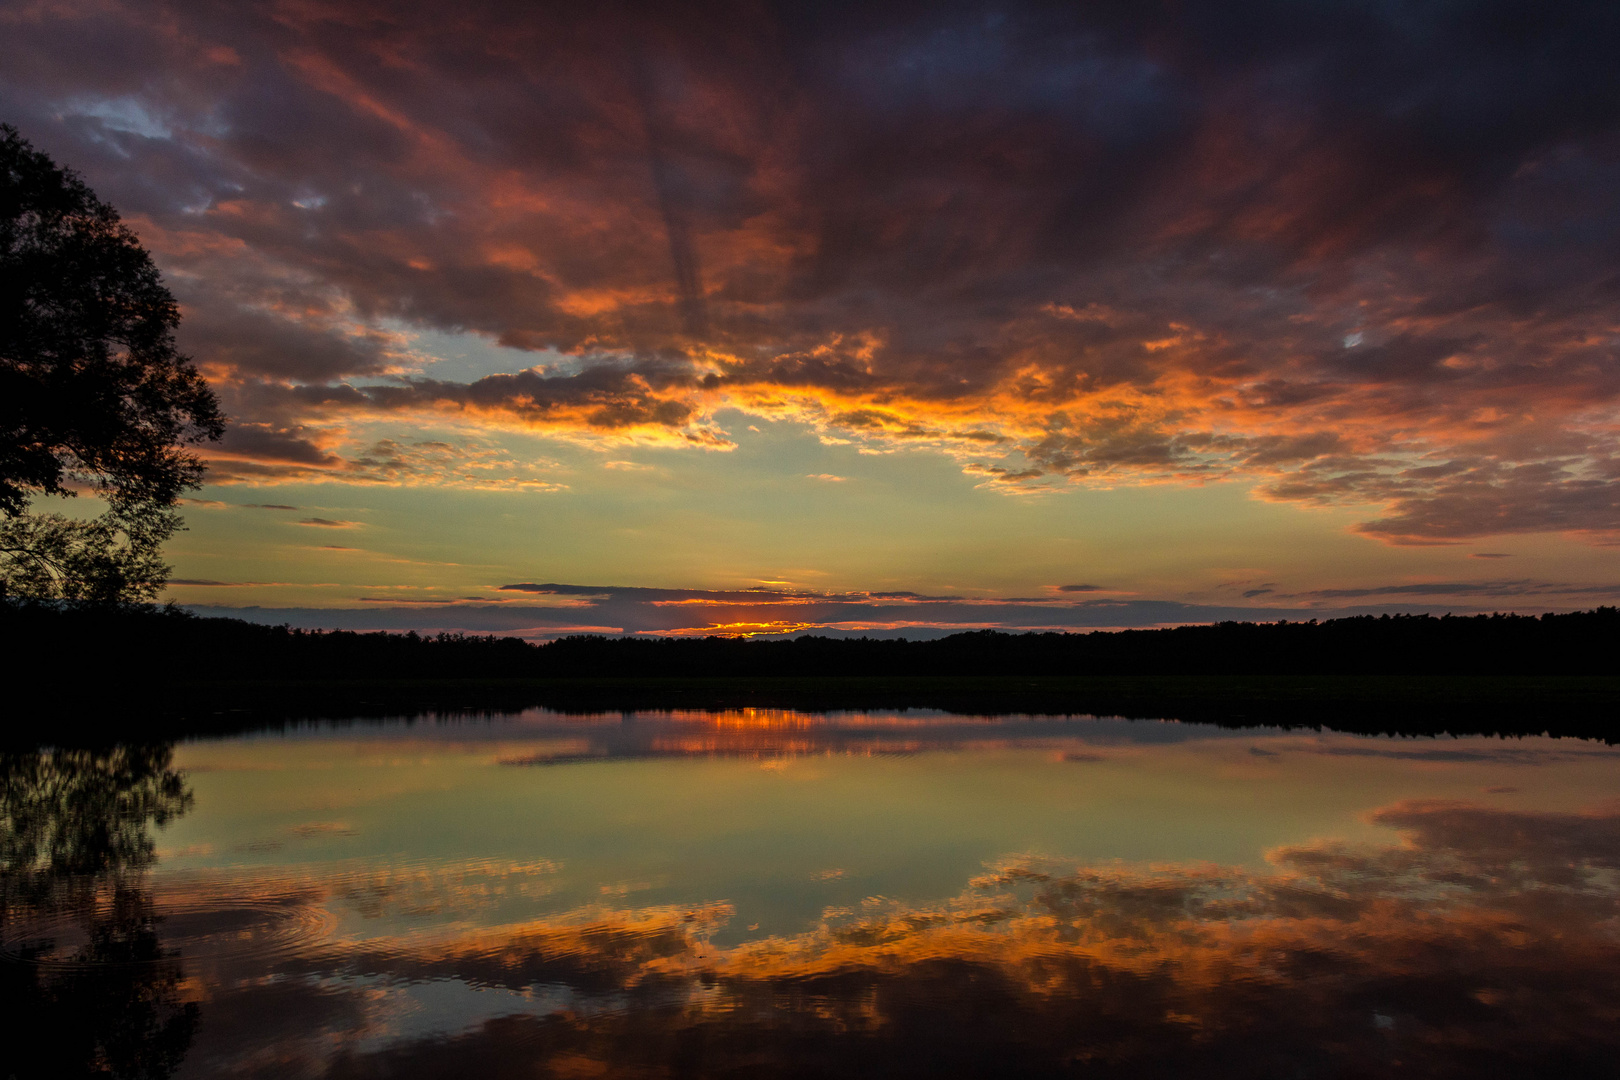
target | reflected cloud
[
  {"x": 1483, "y": 939},
  {"x": 1513, "y": 754},
  {"x": 1478, "y": 936}
]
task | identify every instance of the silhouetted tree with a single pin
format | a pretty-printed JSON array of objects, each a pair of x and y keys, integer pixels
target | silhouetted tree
[
  {"x": 75, "y": 841},
  {"x": 93, "y": 394}
]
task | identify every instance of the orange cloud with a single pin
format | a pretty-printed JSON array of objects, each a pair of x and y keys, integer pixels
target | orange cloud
[{"x": 1181, "y": 268}]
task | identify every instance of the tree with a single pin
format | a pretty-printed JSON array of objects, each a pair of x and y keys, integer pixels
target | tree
[{"x": 94, "y": 395}]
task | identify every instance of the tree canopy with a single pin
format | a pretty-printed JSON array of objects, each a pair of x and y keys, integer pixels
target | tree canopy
[{"x": 94, "y": 395}]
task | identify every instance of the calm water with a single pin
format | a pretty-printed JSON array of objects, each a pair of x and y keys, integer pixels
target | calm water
[{"x": 781, "y": 894}]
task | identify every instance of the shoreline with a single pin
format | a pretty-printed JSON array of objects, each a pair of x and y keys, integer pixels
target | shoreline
[{"x": 1575, "y": 706}]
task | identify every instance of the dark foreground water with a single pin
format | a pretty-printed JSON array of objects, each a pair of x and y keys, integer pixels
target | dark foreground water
[{"x": 777, "y": 894}]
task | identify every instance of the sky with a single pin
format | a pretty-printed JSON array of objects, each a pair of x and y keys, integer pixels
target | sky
[{"x": 888, "y": 318}]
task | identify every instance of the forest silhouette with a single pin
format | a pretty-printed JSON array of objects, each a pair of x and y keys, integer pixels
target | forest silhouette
[
  {"x": 133, "y": 639},
  {"x": 163, "y": 671}
]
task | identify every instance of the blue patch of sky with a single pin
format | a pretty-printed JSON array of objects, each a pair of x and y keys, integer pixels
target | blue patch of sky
[
  {"x": 125, "y": 114},
  {"x": 466, "y": 357},
  {"x": 994, "y": 62},
  {"x": 130, "y": 115}
]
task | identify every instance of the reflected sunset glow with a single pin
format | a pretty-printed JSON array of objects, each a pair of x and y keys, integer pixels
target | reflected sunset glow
[{"x": 769, "y": 889}]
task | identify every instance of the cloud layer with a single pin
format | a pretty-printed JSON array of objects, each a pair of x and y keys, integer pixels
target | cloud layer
[
  {"x": 1348, "y": 254},
  {"x": 548, "y": 610}
]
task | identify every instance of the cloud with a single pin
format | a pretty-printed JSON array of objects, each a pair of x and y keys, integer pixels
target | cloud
[
  {"x": 330, "y": 523},
  {"x": 470, "y": 461},
  {"x": 555, "y": 608},
  {"x": 406, "y": 599},
  {"x": 266, "y": 443},
  {"x": 1348, "y": 256},
  {"x": 1464, "y": 588}
]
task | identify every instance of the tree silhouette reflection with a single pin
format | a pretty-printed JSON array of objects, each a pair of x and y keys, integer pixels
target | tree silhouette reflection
[{"x": 86, "y": 984}]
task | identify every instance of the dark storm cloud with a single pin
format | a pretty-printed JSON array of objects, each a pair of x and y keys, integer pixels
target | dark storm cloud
[
  {"x": 602, "y": 397},
  {"x": 262, "y": 343},
  {"x": 1363, "y": 254},
  {"x": 263, "y": 442}
]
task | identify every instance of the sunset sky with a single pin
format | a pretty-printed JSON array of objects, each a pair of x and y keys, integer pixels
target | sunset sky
[{"x": 891, "y": 317}]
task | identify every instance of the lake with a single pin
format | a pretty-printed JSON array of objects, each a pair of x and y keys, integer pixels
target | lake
[{"x": 773, "y": 893}]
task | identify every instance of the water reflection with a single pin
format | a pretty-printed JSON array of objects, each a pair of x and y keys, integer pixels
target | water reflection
[
  {"x": 750, "y": 734},
  {"x": 88, "y": 987},
  {"x": 1484, "y": 944},
  {"x": 551, "y": 738},
  {"x": 1454, "y": 937}
]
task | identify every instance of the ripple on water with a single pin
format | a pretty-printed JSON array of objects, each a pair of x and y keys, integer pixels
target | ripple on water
[{"x": 196, "y": 924}]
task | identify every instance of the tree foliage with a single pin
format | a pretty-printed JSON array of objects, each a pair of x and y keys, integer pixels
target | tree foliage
[{"x": 94, "y": 396}]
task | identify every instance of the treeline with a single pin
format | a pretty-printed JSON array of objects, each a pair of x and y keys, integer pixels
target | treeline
[{"x": 152, "y": 647}]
